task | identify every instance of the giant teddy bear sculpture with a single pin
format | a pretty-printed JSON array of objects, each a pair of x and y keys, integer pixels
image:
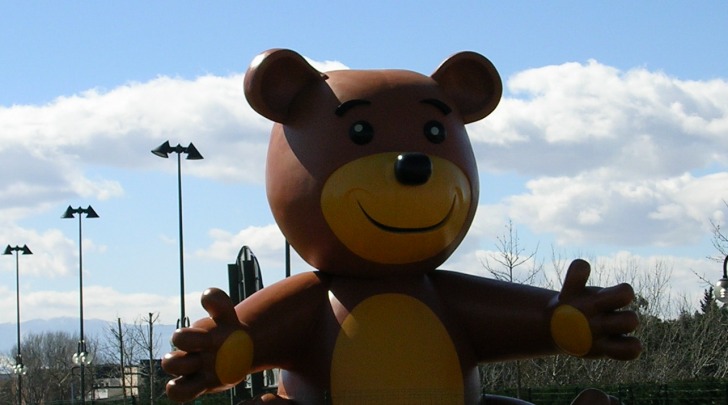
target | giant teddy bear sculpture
[{"x": 372, "y": 179}]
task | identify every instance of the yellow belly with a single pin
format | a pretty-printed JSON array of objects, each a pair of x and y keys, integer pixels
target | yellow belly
[{"x": 392, "y": 349}]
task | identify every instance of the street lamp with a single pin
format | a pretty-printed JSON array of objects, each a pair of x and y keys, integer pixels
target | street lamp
[
  {"x": 18, "y": 369},
  {"x": 721, "y": 287},
  {"x": 81, "y": 357},
  {"x": 163, "y": 151}
]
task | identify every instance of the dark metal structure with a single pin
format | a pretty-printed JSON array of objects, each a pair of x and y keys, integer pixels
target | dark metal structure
[
  {"x": 244, "y": 279},
  {"x": 192, "y": 153},
  {"x": 81, "y": 357},
  {"x": 721, "y": 287},
  {"x": 18, "y": 369}
]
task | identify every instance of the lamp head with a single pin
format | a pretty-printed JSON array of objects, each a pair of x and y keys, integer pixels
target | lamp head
[
  {"x": 721, "y": 287},
  {"x": 24, "y": 250},
  {"x": 82, "y": 358},
  {"x": 90, "y": 213},
  {"x": 193, "y": 153},
  {"x": 721, "y": 290},
  {"x": 19, "y": 368},
  {"x": 69, "y": 213},
  {"x": 163, "y": 150}
]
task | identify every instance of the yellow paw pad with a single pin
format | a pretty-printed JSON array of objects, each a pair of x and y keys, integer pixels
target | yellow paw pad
[
  {"x": 570, "y": 330},
  {"x": 235, "y": 357}
]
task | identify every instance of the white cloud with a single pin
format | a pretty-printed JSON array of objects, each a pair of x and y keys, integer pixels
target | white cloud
[
  {"x": 53, "y": 253},
  {"x": 226, "y": 245},
  {"x": 266, "y": 242},
  {"x": 327, "y": 66},
  {"x": 53, "y": 147},
  {"x": 597, "y": 208},
  {"x": 570, "y": 118},
  {"x": 614, "y": 157}
]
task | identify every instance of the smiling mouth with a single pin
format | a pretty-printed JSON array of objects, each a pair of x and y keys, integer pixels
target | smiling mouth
[{"x": 396, "y": 229}]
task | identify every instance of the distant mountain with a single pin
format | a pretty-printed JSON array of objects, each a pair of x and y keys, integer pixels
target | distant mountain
[{"x": 92, "y": 329}]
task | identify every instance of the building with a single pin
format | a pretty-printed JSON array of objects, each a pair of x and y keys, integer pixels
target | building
[{"x": 109, "y": 383}]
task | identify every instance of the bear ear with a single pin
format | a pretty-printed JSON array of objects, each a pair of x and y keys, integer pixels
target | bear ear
[
  {"x": 273, "y": 80},
  {"x": 472, "y": 81}
]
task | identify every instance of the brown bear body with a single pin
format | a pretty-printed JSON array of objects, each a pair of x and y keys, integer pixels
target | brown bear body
[
  {"x": 372, "y": 179},
  {"x": 357, "y": 340}
]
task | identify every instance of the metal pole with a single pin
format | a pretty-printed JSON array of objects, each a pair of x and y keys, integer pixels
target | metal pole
[
  {"x": 81, "y": 343},
  {"x": 17, "y": 295},
  {"x": 163, "y": 151},
  {"x": 288, "y": 259},
  {"x": 181, "y": 244},
  {"x": 121, "y": 357},
  {"x": 151, "y": 362},
  {"x": 17, "y": 298}
]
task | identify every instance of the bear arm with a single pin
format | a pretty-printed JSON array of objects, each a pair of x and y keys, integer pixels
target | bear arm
[{"x": 501, "y": 320}]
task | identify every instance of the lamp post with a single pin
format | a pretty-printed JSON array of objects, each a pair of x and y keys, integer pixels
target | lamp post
[
  {"x": 721, "y": 287},
  {"x": 81, "y": 357},
  {"x": 18, "y": 369},
  {"x": 163, "y": 151}
]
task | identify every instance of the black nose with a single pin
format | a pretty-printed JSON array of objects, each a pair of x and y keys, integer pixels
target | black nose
[{"x": 413, "y": 169}]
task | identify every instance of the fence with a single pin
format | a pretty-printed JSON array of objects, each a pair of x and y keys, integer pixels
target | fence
[{"x": 678, "y": 393}]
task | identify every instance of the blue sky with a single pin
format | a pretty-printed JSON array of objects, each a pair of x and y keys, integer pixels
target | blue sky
[{"x": 611, "y": 141}]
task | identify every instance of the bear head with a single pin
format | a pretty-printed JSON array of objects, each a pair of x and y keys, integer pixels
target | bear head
[{"x": 371, "y": 172}]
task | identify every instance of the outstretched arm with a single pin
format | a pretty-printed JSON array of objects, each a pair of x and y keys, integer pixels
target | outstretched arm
[
  {"x": 263, "y": 331},
  {"x": 509, "y": 321}
]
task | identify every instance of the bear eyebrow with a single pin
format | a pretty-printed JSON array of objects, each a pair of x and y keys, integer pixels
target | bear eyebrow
[
  {"x": 444, "y": 108},
  {"x": 348, "y": 105}
]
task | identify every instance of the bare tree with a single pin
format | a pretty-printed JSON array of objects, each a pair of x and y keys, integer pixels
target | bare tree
[
  {"x": 129, "y": 345},
  {"x": 143, "y": 335},
  {"x": 8, "y": 386},
  {"x": 116, "y": 353},
  {"x": 719, "y": 239},
  {"x": 51, "y": 376},
  {"x": 510, "y": 256}
]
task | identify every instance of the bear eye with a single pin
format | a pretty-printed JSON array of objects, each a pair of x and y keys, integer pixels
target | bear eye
[
  {"x": 361, "y": 132},
  {"x": 435, "y": 132}
]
